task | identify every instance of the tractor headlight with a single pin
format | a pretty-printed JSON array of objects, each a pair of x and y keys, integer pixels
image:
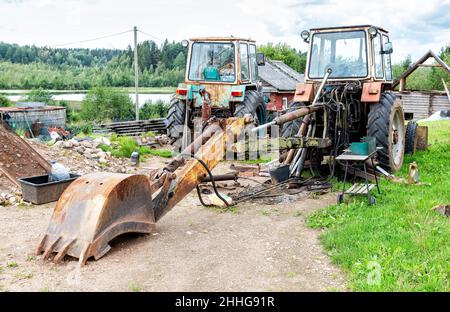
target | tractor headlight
[
  {"x": 185, "y": 43},
  {"x": 305, "y": 35},
  {"x": 372, "y": 31}
]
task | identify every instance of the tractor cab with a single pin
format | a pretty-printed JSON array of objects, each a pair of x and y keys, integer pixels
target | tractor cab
[
  {"x": 353, "y": 53},
  {"x": 221, "y": 81},
  {"x": 221, "y": 60},
  {"x": 225, "y": 67}
]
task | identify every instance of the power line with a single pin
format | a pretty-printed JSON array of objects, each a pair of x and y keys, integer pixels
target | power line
[
  {"x": 162, "y": 40},
  {"x": 93, "y": 39}
]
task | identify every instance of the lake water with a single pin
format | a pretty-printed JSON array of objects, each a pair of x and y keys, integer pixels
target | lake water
[{"x": 143, "y": 97}]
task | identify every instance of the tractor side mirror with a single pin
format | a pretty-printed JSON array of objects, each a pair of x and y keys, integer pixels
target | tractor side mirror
[
  {"x": 388, "y": 48},
  {"x": 260, "y": 59}
]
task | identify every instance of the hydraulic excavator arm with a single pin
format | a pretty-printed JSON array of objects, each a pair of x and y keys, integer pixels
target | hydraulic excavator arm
[{"x": 98, "y": 207}]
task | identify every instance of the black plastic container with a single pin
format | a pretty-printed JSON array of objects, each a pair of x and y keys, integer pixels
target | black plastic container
[
  {"x": 279, "y": 174},
  {"x": 38, "y": 190}
]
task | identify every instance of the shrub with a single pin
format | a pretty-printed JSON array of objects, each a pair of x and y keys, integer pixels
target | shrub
[
  {"x": 102, "y": 104},
  {"x": 150, "y": 110},
  {"x": 4, "y": 101},
  {"x": 39, "y": 95}
]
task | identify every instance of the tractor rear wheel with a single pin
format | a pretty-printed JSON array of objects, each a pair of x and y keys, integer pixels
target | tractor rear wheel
[
  {"x": 253, "y": 105},
  {"x": 387, "y": 124},
  {"x": 291, "y": 128},
  {"x": 175, "y": 123}
]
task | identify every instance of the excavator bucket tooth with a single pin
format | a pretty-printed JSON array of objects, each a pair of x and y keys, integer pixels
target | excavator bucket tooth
[{"x": 95, "y": 209}]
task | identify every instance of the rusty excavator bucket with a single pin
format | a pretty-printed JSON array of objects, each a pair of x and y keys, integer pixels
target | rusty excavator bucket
[
  {"x": 98, "y": 207},
  {"x": 93, "y": 210}
]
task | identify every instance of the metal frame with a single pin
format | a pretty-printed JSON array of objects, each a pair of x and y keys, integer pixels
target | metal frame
[{"x": 358, "y": 190}]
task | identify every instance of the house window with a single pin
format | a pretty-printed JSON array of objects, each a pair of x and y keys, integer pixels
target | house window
[{"x": 285, "y": 103}]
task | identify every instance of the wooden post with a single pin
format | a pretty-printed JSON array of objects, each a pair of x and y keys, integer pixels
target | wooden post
[
  {"x": 402, "y": 85},
  {"x": 446, "y": 89}
]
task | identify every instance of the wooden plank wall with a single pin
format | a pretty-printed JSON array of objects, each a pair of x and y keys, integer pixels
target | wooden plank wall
[{"x": 422, "y": 104}]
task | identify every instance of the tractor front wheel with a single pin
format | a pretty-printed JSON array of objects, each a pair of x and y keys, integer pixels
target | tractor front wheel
[
  {"x": 253, "y": 105},
  {"x": 387, "y": 124},
  {"x": 175, "y": 123}
]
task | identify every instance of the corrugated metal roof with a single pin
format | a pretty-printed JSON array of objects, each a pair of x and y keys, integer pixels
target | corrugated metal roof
[{"x": 279, "y": 75}]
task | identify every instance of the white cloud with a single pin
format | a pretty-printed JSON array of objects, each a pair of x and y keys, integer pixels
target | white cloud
[{"x": 50, "y": 22}]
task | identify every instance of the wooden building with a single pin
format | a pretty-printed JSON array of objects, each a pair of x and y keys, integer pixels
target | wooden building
[
  {"x": 421, "y": 104},
  {"x": 279, "y": 81}
]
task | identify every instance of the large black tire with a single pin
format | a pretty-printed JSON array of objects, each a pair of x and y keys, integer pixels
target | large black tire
[
  {"x": 387, "y": 124},
  {"x": 291, "y": 128},
  {"x": 253, "y": 105},
  {"x": 175, "y": 123},
  {"x": 410, "y": 137}
]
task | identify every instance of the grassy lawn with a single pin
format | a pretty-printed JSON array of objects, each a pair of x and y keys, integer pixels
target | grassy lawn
[{"x": 399, "y": 244}]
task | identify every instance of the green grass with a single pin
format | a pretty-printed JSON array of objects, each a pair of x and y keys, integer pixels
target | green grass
[
  {"x": 135, "y": 287},
  {"x": 12, "y": 264},
  {"x": 400, "y": 237},
  {"x": 124, "y": 146},
  {"x": 262, "y": 160}
]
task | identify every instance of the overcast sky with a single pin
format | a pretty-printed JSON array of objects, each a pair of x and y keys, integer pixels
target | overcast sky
[{"x": 414, "y": 26}]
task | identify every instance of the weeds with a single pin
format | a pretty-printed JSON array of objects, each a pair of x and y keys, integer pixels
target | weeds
[
  {"x": 12, "y": 265},
  {"x": 399, "y": 244},
  {"x": 135, "y": 287}
]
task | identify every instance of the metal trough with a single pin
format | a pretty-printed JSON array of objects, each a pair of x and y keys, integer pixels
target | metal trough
[{"x": 38, "y": 190}]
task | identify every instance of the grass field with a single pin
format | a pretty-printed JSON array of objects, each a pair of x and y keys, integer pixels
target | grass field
[{"x": 399, "y": 244}]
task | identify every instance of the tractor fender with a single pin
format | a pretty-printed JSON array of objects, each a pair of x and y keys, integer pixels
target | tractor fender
[{"x": 371, "y": 92}]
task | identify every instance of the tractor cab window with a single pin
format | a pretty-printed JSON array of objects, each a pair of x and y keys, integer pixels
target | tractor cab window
[
  {"x": 377, "y": 56},
  {"x": 387, "y": 60},
  {"x": 245, "y": 73},
  {"x": 253, "y": 64},
  {"x": 212, "y": 62},
  {"x": 345, "y": 52}
]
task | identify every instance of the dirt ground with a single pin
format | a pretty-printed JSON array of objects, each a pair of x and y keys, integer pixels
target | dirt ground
[{"x": 254, "y": 247}]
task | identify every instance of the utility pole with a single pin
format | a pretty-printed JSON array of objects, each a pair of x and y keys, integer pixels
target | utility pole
[{"x": 136, "y": 73}]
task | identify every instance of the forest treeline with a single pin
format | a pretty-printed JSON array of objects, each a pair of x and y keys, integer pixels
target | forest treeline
[{"x": 28, "y": 67}]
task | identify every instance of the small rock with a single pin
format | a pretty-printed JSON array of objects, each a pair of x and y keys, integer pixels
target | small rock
[
  {"x": 12, "y": 200},
  {"x": 67, "y": 144},
  {"x": 74, "y": 142},
  {"x": 58, "y": 143},
  {"x": 189, "y": 233},
  {"x": 102, "y": 160},
  {"x": 79, "y": 149},
  {"x": 87, "y": 154},
  {"x": 87, "y": 144}
]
